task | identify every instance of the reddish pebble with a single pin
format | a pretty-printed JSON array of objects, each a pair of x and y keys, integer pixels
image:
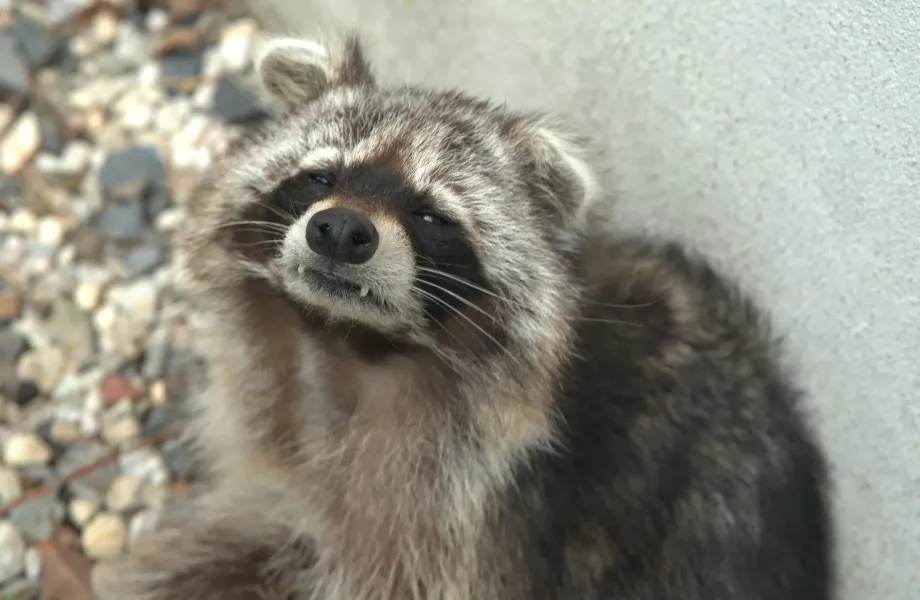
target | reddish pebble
[{"x": 116, "y": 387}]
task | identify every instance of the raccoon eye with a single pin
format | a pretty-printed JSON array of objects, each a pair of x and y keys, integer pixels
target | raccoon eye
[
  {"x": 432, "y": 218},
  {"x": 324, "y": 179}
]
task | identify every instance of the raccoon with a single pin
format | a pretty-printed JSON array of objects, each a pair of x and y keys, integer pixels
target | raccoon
[{"x": 436, "y": 373}]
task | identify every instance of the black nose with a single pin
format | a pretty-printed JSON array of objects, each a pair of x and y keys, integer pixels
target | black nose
[{"x": 342, "y": 234}]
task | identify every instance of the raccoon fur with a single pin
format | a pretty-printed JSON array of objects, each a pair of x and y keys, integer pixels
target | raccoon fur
[{"x": 436, "y": 375}]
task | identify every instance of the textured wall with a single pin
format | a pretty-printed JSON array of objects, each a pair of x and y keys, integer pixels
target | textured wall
[{"x": 781, "y": 137}]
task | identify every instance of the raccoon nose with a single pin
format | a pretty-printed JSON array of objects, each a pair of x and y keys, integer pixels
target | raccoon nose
[{"x": 342, "y": 234}]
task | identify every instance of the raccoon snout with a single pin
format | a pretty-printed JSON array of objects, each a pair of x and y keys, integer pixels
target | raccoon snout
[{"x": 342, "y": 234}]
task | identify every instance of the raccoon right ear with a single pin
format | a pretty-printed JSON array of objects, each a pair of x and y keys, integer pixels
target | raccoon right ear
[
  {"x": 295, "y": 71},
  {"x": 557, "y": 168}
]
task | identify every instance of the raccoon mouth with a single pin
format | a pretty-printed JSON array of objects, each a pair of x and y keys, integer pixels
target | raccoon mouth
[{"x": 336, "y": 285}]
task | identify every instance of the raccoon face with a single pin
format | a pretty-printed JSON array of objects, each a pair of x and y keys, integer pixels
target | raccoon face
[{"x": 405, "y": 210}]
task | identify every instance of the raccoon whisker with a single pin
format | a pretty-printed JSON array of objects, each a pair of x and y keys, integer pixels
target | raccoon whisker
[
  {"x": 472, "y": 285},
  {"x": 453, "y": 310},
  {"x": 257, "y": 230},
  {"x": 608, "y": 321},
  {"x": 460, "y": 298},
  {"x": 446, "y": 358},
  {"x": 259, "y": 243},
  {"x": 289, "y": 217},
  {"x": 268, "y": 225}
]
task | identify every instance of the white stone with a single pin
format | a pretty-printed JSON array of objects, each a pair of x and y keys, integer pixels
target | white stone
[
  {"x": 81, "y": 510},
  {"x": 23, "y": 221},
  {"x": 157, "y": 20},
  {"x": 12, "y": 551},
  {"x": 173, "y": 115},
  {"x": 64, "y": 432},
  {"x": 204, "y": 96},
  {"x": 33, "y": 564},
  {"x": 169, "y": 219},
  {"x": 146, "y": 463},
  {"x": 82, "y": 45},
  {"x": 104, "y": 28},
  {"x": 25, "y": 449},
  {"x": 50, "y": 231},
  {"x": 125, "y": 493},
  {"x": 87, "y": 295},
  {"x": 158, "y": 394},
  {"x": 91, "y": 417},
  {"x": 44, "y": 366},
  {"x": 148, "y": 75},
  {"x": 143, "y": 522},
  {"x": 138, "y": 117},
  {"x": 20, "y": 145},
  {"x": 154, "y": 496},
  {"x": 10, "y": 484},
  {"x": 236, "y": 44},
  {"x": 104, "y": 536},
  {"x": 138, "y": 299},
  {"x": 120, "y": 429}
]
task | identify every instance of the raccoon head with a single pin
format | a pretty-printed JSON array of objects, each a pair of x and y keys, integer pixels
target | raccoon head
[{"x": 423, "y": 215}]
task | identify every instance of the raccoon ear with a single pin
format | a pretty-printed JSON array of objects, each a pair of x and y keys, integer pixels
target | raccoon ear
[
  {"x": 557, "y": 170},
  {"x": 295, "y": 71}
]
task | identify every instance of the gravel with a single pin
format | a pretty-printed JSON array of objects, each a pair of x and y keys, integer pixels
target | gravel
[{"x": 110, "y": 112}]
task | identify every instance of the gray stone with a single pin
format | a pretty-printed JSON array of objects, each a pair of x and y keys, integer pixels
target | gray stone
[
  {"x": 178, "y": 460},
  {"x": 72, "y": 330},
  {"x": 20, "y": 588},
  {"x": 121, "y": 220},
  {"x": 38, "y": 519},
  {"x": 38, "y": 474},
  {"x": 145, "y": 463},
  {"x": 143, "y": 259},
  {"x": 156, "y": 353},
  {"x": 74, "y": 394},
  {"x": 12, "y": 552},
  {"x": 10, "y": 187},
  {"x": 53, "y": 130},
  {"x": 14, "y": 68},
  {"x": 12, "y": 346},
  {"x": 89, "y": 243},
  {"x": 132, "y": 172},
  {"x": 180, "y": 68},
  {"x": 94, "y": 485},
  {"x": 8, "y": 379},
  {"x": 40, "y": 46},
  {"x": 62, "y": 11},
  {"x": 160, "y": 418},
  {"x": 235, "y": 103}
]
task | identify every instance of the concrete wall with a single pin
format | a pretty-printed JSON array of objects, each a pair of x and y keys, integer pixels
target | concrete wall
[{"x": 781, "y": 137}]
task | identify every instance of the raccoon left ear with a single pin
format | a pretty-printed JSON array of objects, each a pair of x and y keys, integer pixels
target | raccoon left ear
[
  {"x": 557, "y": 168},
  {"x": 296, "y": 71}
]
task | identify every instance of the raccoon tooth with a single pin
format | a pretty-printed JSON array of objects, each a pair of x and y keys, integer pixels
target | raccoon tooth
[
  {"x": 300, "y": 269},
  {"x": 365, "y": 290}
]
